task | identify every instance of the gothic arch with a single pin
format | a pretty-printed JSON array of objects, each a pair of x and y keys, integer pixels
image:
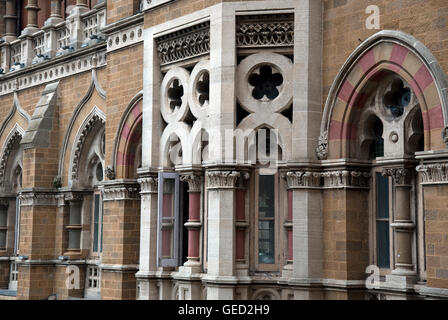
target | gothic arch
[
  {"x": 384, "y": 52},
  {"x": 82, "y": 111},
  {"x": 12, "y": 143},
  {"x": 128, "y": 137},
  {"x": 96, "y": 119}
]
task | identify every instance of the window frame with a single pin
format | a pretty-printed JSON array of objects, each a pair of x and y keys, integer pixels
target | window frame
[
  {"x": 266, "y": 266},
  {"x": 373, "y": 221},
  {"x": 174, "y": 261},
  {"x": 98, "y": 253}
]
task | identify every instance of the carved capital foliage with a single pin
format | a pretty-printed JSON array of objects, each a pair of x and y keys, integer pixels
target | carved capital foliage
[
  {"x": 298, "y": 179},
  {"x": 433, "y": 173},
  {"x": 346, "y": 178},
  {"x": 243, "y": 180},
  {"x": 222, "y": 179},
  {"x": 148, "y": 184},
  {"x": 110, "y": 173},
  {"x": 122, "y": 192},
  {"x": 322, "y": 148},
  {"x": 38, "y": 199},
  {"x": 400, "y": 175},
  {"x": 194, "y": 182}
]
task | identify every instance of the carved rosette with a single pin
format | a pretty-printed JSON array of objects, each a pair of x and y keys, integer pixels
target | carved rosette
[
  {"x": 222, "y": 179},
  {"x": 194, "y": 182},
  {"x": 302, "y": 179},
  {"x": 401, "y": 176},
  {"x": 433, "y": 173},
  {"x": 148, "y": 184},
  {"x": 346, "y": 178},
  {"x": 120, "y": 193}
]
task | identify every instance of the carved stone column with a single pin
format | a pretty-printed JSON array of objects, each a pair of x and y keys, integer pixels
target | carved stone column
[
  {"x": 403, "y": 224},
  {"x": 146, "y": 284},
  {"x": 304, "y": 229},
  {"x": 194, "y": 223},
  {"x": 11, "y": 20},
  {"x": 81, "y": 3},
  {"x": 31, "y": 10},
  {"x": 221, "y": 233},
  {"x": 55, "y": 14}
]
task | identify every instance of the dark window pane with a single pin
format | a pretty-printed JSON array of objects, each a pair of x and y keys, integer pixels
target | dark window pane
[
  {"x": 266, "y": 200},
  {"x": 2, "y": 239},
  {"x": 96, "y": 218},
  {"x": 266, "y": 211},
  {"x": 3, "y": 216},
  {"x": 382, "y": 196},
  {"x": 75, "y": 213},
  {"x": 74, "y": 239},
  {"x": 382, "y": 242}
]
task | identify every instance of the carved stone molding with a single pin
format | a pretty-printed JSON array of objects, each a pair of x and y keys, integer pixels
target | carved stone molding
[
  {"x": 122, "y": 192},
  {"x": 436, "y": 173},
  {"x": 274, "y": 30},
  {"x": 322, "y": 148},
  {"x": 110, "y": 173},
  {"x": 148, "y": 184},
  {"x": 300, "y": 179},
  {"x": 243, "y": 180},
  {"x": 222, "y": 179},
  {"x": 400, "y": 175},
  {"x": 346, "y": 178},
  {"x": 38, "y": 199},
  {"x": 125, "y": 38},
  {"x": 80, "y": 143},
  {"x": 12, "y": 143},
  {"x": 184, "y": 44},
  {"x": 194, "y": 182},
  {"x": 445, "y": 135}
]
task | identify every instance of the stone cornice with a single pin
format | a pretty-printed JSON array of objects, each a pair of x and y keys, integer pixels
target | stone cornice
[
  {"x": 38, "y": 199},
  {"x": 57, "y": 68},
  {"x": 434, "y": 173}
]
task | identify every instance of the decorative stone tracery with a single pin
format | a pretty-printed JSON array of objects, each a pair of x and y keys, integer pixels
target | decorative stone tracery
[
  {"x": 13, "y": 142},
  {"x": 184, "y": 44}
]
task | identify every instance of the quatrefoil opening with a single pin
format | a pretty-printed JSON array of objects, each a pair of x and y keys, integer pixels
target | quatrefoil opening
[{"x": 397, "y": 98}]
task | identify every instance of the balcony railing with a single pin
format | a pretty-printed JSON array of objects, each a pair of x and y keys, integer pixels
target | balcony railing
[{"x": 78, "y": 31}]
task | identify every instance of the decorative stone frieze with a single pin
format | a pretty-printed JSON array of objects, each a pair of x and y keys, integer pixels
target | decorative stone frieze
[
  {"x": 38, "y": 199},
  {"x": 322, "y": 148},
  {"x": 400, "y": 175},
  {"x": 346, "y": 178},
  {"x": 61, "y": 68},
  {"x": 222, "y": 179},
  {"x": 148, "y": 184},
  {"x": 194, "y": 182},
  {"x": 274, "y": 30},
  {"x": 436, "y": 173},
  {"x": 184, "y": 44},
  {"x": 300, "y": 179},
  {"x": 125, "y": 38},
  {"x": 120, "y": 192}
]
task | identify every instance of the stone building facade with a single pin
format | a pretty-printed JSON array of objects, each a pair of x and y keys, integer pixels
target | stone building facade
[{"x": 223, "y": 149}]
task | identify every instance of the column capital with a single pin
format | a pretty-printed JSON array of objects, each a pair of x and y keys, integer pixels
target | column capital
[
  {"x": 401, "y": 176},
  {"x": 433, "y": 173},
  {"x": 148, "y": 184},
  {"x": 346, "y": 179},
  {"x": 194, "y": 181},
  {"x": 300, "y": 179},
  {"x": 222, "y": 179}
]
